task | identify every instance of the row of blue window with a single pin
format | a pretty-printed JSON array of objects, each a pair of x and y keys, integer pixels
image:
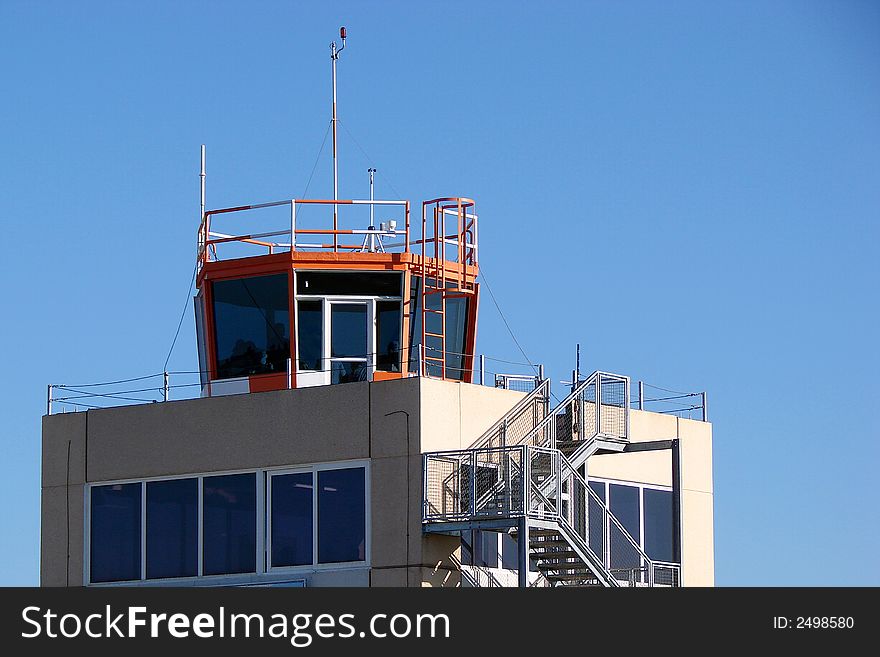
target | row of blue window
[{"x": 163, "y": 529}]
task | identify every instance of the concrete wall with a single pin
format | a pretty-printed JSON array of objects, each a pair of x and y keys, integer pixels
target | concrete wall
[
  {"x": 695, "y": 445},
  {"x": 390, "y": 423}
]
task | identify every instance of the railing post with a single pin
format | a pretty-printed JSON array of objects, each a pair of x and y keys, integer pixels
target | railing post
[
  {"x": 165, "y": 386},
  {"x": 482, "y": 369},
  {"x": 705, "y": 408},
  {"x": 598, "y": 403},
  {"x": 421, "y": 359},
  {"x": 540, "y": 374},
  {"x": 289, "y": 373},
  {"x": 641, "y": 395},
  {"x": 473, "y": 496},
  {"x": 526, "y": 482},
  {"x": 293, "y": 225},
  {"x": 606, "y": 537},
  {"x": 626, "y": 406},
  {"x": 49, "y": 399}
]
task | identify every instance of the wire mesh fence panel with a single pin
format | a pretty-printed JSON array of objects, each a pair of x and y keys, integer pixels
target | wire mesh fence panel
[
  {"x": 614, "y": 405},
  {"x": 626, "y": 558},
  {"x": 443, "y": 490}
]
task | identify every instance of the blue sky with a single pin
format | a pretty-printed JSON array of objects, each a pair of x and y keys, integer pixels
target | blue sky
[{"x": 690, "y": 190}]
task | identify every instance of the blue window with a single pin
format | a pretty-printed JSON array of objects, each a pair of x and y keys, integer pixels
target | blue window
[
  {"x": 658, "y": 524},
  {"x": 251, "y": 325},
  {"x": 292, "y": 519},
  {"x": 624, "y": 504},
  {"x": 341, "y": 515},
  {"x": 115, "y": 538},
  {"x": 172, "y": 528},
  {"x": 229, "y": 520}
]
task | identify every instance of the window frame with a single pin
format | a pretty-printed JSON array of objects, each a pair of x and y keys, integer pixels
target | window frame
[
  {"x": 264, "y": 573},
  {"x": 641, "y": 486},
  {"x": 314, "y": 469}
]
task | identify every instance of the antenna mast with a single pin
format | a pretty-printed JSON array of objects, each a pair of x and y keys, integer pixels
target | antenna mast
[{"x": 334, "y": 56}]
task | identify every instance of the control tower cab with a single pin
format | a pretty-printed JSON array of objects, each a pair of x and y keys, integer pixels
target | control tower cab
[{"x": 332, "y": 298}]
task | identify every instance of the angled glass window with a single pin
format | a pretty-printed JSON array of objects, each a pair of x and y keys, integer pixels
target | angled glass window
[
  {"x": 292, "y": 519},
  {"x": 115, "y": 533},
  {"x": 172, "y": 528},
  {"x": 229, "y": 518},
  {"x": 388, "y": 336},
  {"x": 658, "y": 524},
  {"x": 342, "y": 516},
  {"x": 251, "y": 325},
  {"x": 310, "y": 334}
]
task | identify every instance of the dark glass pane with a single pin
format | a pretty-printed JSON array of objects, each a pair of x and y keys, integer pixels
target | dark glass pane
[
  {"x": 348, "y": 371},
  {"x": 172, "y": 528},
  {"x": 369, "y": 284},
  {"x": 456, "y": 327},
  {"x": 659, "y": 526},
  {"x": 310, "y": 334},
  {"x": 509, "y": 552},
  {"x": 348, "y": 330},
  {"x": 415, "y": 325},
  {"x": 388, "y": 336},
  {"x": 115, "y": 537},
  {"x": 486, "y": 549},
  {"x": 596, "y": 518},
  {"x": 624, "y": 504},
  {"x": 467, "y": 552},
  {"x": 230, "y": 524},
  {"x": 252, "y": 325},
  {"x": 292, "y": 519},
  {"x": 342, "y": 527}
]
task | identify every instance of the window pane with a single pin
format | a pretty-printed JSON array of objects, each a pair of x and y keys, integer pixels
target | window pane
[
  {"x": 456, "y": 321},
  {"x": 252, "y": 325},
  {"x": 509, "y": 552},
  {"x": 348, "y": 371},
  {"x": 310, "y": 334},
  {"x": 172, "y": 528},
  {"x": 115, "y": 537},
  {"x": 292, "y": 519},
  {"x": 388, "y": 336},
  {"x": 341, "y": 515},
  {"x": 624, "y": 504},
  {"x": 486, "y": 549},
  {"x": 348, "y": 330},
  {"x": 659, "y": 526},
  {"x": 368, "y": 284},
  {"x": 596, "y": 522},
  {"x": 230, "y": 524}
]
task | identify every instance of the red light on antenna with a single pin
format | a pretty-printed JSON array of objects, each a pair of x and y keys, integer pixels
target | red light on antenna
[{"x": 342, "y": 32}]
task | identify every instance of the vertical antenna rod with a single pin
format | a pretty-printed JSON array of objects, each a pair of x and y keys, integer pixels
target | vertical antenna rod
[
  {"x": 334, "y": 56},
  {"x": 202, "y": 186},
  {"x": 371, "y": 171}
]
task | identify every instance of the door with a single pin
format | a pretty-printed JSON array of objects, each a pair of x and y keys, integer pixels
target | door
[{"x": 350, "y": 339}]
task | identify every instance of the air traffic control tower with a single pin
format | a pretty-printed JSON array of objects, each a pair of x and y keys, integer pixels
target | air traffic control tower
[{"x": 341, "y": 431}]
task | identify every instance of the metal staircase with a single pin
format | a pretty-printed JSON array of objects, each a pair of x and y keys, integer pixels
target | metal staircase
[{"x": 524, "y": 476}]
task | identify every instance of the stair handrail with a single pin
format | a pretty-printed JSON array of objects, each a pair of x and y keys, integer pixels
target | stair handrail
[
  {"x": 612, "y": 519},
  {"x": 541, "y": 390}
]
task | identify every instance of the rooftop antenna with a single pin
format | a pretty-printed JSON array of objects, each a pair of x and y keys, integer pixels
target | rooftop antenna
[
  {"x": 334, "y": 56},
  {"x": 371, "y": 171}
]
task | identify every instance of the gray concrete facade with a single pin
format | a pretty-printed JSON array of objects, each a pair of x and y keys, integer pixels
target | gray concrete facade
[{"x": 356, "y": 421}]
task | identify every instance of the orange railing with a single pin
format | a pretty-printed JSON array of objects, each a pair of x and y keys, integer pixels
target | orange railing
[{"x": 373, "y": 238}]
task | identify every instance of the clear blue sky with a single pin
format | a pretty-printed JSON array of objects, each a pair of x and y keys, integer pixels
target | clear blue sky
[{"x": 689, "y": 189}]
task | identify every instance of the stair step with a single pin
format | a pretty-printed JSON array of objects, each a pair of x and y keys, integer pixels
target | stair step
[
  {"x": 561, "y": 554},
  {"x": 549, "y": 544}
]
